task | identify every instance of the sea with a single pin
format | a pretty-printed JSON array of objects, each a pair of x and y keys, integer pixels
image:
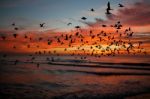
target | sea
[{"x": 74, "y": 77}]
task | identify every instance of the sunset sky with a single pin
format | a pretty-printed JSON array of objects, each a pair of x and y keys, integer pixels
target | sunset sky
[{"x": 56, "y": 14}]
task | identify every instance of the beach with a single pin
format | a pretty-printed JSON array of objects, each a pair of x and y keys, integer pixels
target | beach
[{"x": 73, "y": 79}]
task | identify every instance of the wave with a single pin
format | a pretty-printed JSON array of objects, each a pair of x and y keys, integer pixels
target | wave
[
  {"x": 83, "y": 63},
  {"x": 97, "y": 73}
]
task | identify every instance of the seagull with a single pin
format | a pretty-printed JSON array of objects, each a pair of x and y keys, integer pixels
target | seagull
[
  {"x": 15, "y": 35},
  {"x": 16, "y": 28},
  {"x": 37, "y": 65},
  {"x": 92, "y": 10},
  {"x": 25, "y": 36},
  {"x": 83, "y": 18},
  {"x": 104, "y": 26},
  {"x": 13, "y": 24},
  {"x": 42, "y": 24},
  {"x": 108, "y": 6},
  {"x": 69, "y": 24},
  {"x": 107, "y": 11},
  {"x": 120, "y": 5},
  {"x": 15, "y": 62},
  {"x": 3, "y": 37},
  {"x": 77, "y": 27}
]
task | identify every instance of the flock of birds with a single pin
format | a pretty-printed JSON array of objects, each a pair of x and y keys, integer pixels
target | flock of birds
[{"x": 98, "y": 44}]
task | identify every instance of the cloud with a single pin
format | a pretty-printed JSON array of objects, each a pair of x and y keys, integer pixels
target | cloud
[{"x": 137, "y": 14}]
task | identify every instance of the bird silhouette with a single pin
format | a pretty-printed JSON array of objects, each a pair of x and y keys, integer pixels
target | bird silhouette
[
  {"x": 13, "y": 24},
  {"x": 69, "y": 24},
  {"x": 107, "y": 11},
  {"x": 15, "y": 62},
  {"x": 92, "y": 10},
  {"x": 114, "y": 44},
  {"x": 15, "y": 35},
  {"x": 42, "y": 24},
  {"x": 108, "y": 6},
  {"x": 3, "y": 37},
  {"x": 37, "y": 65},
  {"x": 83, "y": 18},
  {"x": 77, "y": 27},
  {"x": 16, "y": 28},
  {"x": 104, "y": 26},
  {"x": 120, "y": 5}
]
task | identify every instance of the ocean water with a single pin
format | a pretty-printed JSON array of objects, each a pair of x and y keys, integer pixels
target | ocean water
[{"x": 70, "y": 77}]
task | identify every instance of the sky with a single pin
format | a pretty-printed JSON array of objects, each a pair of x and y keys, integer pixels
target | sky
[{"x": 56, "y": 14}]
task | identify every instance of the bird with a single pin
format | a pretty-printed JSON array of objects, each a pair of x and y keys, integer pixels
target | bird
[
  {"x": 92, "y": 10},
  {"x": 42, "y": 24},
  {"x": 15, "y": 35},
  {"x": 3, "y": 37},
  {"x": 13, "y": 24},
  {"x": 25, "y": 36},
  {"x": 107, "y": 11},
  {"x": 49, "y": 42},
  {"x": 83, "y": 18},
  {"x": 15, "y": 62},
  {"x": 108, "y": 6},
  {"x": 69, "y": 23},
  {"x": 40, "y": 38},
  {"x": 16, "y": 28},
  {"x": 120, "y": 5},
  {"x": 104, "y": 26},
  {"x": 14, "y": 47},
  {"x": 77, "y": 27},
  {"x": 37, "y": 65}
]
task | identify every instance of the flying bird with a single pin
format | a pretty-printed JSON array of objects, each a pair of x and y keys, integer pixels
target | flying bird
[
  {"x": 77, "y": 27},
  {"x": 15, "y": 35},
  {"x": 104, "y": 26},
  {"x": 107, "y": 11},
  {"x": 42, "y": 24},
  {"x": 92, "y": 10},
  {"x": 3, "y": 37},
  {"x": 16, "y": 28},
  {"x": 13, "y": 24},
  {"x": 83, "y": 18},
  {"x": 120, "y": 5},
  {"x": 69, "y": 24},
  {"x": 108, "y": 6}
]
